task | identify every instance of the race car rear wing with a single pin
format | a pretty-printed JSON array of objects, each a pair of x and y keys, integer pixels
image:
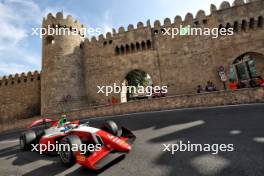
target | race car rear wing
[
  {"x": 46, "y": 122},
  {"x": 39, "y": 122}
]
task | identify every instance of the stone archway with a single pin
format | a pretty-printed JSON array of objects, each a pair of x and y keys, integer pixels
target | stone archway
[
  {"x": 247, "y": 66},
  {"x": 247, "y": 69},
  {"x": 133, "y": 83}
]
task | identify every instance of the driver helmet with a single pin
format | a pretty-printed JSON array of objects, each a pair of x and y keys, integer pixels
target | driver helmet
[{"x": 63, "y": 120}]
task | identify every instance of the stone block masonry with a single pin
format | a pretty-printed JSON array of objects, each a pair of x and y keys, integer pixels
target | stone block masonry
[
  {"x": 73, "y": 66},
  {"x": 243, "y": 96}
]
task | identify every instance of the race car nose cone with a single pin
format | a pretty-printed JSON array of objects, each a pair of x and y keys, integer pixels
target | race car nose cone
[{"x": 127, "y": 147}]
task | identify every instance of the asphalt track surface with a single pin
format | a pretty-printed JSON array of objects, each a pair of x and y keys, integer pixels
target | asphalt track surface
[{"x": 242, "y": 126}]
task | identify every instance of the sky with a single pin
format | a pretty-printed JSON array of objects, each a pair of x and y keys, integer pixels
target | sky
[{"x": 20, "y": 51}]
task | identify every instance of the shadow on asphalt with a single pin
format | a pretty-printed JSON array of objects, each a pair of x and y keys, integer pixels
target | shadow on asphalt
[
  {"x": 247, "y": 159},
  {"x": 55, "y": 167}
]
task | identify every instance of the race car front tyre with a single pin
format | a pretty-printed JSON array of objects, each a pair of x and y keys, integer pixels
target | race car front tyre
[
  {"x": 110, "y": 127},
  {"x": 68, "y": 156},
  {"x": 26, "y": 139}
]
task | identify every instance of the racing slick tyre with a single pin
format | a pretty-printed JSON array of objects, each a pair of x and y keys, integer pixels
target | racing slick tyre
[
  {"x": 39, "y": 133},
  {"x": 68, "y": 156},
  {"x": 26, "y": 139},
  {"x": 110, "y": 127}
]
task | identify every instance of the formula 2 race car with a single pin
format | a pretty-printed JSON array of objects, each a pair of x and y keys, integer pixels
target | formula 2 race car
[{"x": 109, "y": 145}]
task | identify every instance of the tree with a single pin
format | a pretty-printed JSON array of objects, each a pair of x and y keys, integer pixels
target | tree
[{"x": 137, "y": 77}]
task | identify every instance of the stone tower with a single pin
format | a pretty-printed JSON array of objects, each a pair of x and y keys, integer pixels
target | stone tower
[{"x": 62, "y": 80}]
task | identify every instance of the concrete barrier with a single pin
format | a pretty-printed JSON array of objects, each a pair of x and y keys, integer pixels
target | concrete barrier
[{"x": 242, "y": 96}]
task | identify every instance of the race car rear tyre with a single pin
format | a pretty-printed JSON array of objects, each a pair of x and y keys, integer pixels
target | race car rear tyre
[
  {"x": 26, "y": 139},
  {"x": 110, "y": 127},
  {"x": 39, "y": 133},
  {"x": 68, "y": 156}
]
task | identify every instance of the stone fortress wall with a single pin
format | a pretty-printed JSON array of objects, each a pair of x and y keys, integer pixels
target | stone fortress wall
[
  {"x": 19, "y": 96},
  {"x": 62, "y": 84},
  {"x": 181, "y": 63},
  {"x": 73, "y": 66}
]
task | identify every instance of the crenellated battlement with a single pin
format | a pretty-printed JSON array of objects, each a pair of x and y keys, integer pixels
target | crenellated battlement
[
  {"x": 121, "y": 30},
  {"x": 19, "y": 78},
  {"x": 73, "y": 66},
  {"x": 225, "y": 16},
  {"x": 59, "y": 21}
]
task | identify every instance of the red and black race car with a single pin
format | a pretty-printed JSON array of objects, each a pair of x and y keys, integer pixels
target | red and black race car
[{"x": 106, "y": 144}]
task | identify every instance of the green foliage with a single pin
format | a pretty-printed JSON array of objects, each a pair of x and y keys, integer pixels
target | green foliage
[{"x": 137, "y": 77}]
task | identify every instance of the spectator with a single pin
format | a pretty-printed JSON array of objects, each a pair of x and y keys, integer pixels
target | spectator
[
  {"x": 114, "y": 100},
  {"x": 232, "y": 85},
  {"x": 213, "y": 86},
  {"x": 199, "y": 89},
  {"x": 108, "y": 102},
  {"x": 260, "y": 81},
  {"x": 207, "y": 87},
  {"x": 241, "y": 85},
  {"x": 210, "y": 86},
  {"x": 254, "y": 83}
]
